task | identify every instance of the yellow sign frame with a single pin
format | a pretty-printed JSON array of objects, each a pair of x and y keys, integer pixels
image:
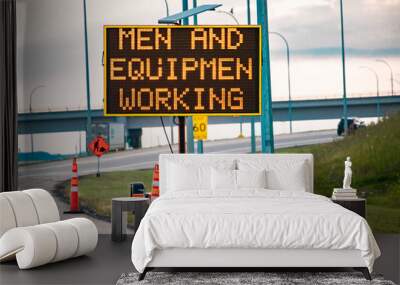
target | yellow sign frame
[{"x": 105, "y": 27}]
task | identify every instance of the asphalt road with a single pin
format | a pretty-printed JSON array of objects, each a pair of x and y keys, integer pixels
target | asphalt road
[{"x": 145, "y": 158}]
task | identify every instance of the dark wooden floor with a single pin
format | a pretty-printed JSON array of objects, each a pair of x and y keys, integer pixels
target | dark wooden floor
[
  {"x": 103, "y": 266},
  {"x": 110, "y": 260}
]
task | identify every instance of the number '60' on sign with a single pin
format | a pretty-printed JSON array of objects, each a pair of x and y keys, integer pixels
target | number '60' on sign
[{"x": 200, "y": 127}]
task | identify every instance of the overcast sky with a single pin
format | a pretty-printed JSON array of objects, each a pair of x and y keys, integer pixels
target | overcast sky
[
  {"x": 315, "y": 24},
  {"x": 51, "y": 49}
]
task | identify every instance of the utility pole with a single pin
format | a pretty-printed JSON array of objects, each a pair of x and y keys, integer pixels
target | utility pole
[
  {"x": 267, "y": 126},
  {"x": 343, "y": 70}
]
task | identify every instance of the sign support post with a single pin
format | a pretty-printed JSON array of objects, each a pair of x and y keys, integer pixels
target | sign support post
[
  {"x": 98, "y": 167},
  {"x": 267, "y": 130},
  {"x": 181, "y": 133},
  {"x": 200, "y": 146},
  {"x": 173, "y": 20},
  {"x": 98, "y": 147},
  {"x": 189, "y": 123},
  {"x": 199, "y": 142},
  {"x": 252, "y": 119}
]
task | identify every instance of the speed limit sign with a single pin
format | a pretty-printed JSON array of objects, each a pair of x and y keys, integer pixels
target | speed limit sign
[{"x": 200, "y": 127}]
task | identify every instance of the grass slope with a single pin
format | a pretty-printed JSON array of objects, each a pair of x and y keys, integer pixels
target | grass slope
[{"x": 375, "y": 153}]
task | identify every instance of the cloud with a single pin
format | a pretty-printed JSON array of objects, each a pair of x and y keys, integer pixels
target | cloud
[
  {"x": 368, "y": 24},
  {"x": 371, "y": 26}
]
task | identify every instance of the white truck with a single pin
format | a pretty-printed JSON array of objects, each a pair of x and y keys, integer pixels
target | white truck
[{"x": 116, "y": 136}]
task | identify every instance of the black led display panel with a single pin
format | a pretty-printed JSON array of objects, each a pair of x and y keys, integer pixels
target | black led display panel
[{"x": 182, "y": 70}]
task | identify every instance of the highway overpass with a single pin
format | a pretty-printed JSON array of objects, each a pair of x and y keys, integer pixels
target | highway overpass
[{"x": 315, "y": 109}]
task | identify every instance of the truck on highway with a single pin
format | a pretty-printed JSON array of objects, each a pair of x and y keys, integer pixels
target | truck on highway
[{"x": 114, "y": 133}]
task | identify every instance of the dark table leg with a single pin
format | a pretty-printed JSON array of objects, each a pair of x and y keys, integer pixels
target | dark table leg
[
  {"x": 118, "y": 222},
  {"x": 140, "y": 211}
]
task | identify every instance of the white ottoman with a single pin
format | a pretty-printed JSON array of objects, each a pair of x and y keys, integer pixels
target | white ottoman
[{"x": 23, "y": 235}]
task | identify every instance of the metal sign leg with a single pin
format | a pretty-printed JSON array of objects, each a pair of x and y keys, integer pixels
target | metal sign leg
[
  {"x": 98, "y": 167},
  {"x": 182, "y": 146}
]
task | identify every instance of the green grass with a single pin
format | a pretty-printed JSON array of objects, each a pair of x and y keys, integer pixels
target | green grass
[
  {"x": 96, "y": 192},
  {"x": 383, "y": 219},
  {"x": 375, "y": 153}
]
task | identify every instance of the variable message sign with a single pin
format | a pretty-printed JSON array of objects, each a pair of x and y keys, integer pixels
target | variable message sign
[{"x": 182, "y": 70}]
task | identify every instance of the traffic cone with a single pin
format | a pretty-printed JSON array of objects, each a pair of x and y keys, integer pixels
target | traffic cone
[
  {"x": 155, "y": 191},
  {"x": 74, "y": 194}
]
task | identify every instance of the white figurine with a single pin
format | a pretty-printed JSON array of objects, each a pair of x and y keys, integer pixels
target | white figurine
[{"x": 347, "y": 174}]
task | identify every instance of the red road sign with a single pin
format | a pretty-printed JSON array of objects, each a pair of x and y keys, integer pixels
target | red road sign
[{"x": 99, "y": 146}]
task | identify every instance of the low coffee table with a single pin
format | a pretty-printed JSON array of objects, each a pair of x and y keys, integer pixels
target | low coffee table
[{"x": 120, "y": 207}]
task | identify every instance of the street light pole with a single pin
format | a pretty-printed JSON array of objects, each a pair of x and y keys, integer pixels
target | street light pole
[
  {"x": 378, "y": 107},
  {"x": 166, "y": 7},
  {"x": 230, "y": 14},
  {"x": 237, "y": 23},
  {"x": 343, "y": 69},
  {"x": 288, "y": 75},
  {"x": 88, "y": 111},
  {"x": 30, "y": 109},
  {"x": 31, "y": 94},
  {"x": 391, "y": 72}
]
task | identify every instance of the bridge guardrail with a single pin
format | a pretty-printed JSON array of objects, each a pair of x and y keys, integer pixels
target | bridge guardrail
[{"x": 280, "y": 99}]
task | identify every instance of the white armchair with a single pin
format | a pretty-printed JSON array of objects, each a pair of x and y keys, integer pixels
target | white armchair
[{"x": 31, "y": 230}]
